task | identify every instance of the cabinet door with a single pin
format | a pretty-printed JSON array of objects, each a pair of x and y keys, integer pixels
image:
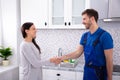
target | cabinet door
[
  {"x": 78, "y": 6},
  {"x": 66, "y": 13},
  {"x": 114, "y": 10},
  {"x": 101, "y": 6},
  {"x": 50, "y": 74},
  {"x": 79, "y": 75},
  {"x": 56, "y": 13},
  {"x": 58, "y": 75},
  {"x": 35, "y": 11},
  {"x": 68, "y": 75},
  {"x": 116, "y": 77}
]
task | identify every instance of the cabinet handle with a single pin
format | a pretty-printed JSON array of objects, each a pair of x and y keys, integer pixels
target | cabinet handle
[
  {"x": 45, "y": 23},
  {"x": 58, "y": 74},
  {"x": 69, "y": 23},
  {"x": 65, "y": 23}
]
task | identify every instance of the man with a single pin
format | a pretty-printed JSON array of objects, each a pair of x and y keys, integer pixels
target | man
[{"x": 97, "y": 46}]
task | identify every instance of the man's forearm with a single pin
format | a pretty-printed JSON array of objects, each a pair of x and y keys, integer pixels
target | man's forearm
[
  {"x": 68, "y": 56},
  {"x": 109, "y": 63},
  {"x": 74, "y": 54},
  {"x": 109, "y": 69}
]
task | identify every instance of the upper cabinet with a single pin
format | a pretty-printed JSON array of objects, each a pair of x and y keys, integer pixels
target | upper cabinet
[
  {"x": 53, "y": 13},
  {"x": 60, "y": 13},
  {"x": 101, "y": 6},
  {"x": 35, "y": 11},
  {"x": 114, "y": 11},
  {"x": 66, "y": 13}
]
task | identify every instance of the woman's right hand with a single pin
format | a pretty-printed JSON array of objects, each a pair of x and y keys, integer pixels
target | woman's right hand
[{"x": 56, "y": 60}]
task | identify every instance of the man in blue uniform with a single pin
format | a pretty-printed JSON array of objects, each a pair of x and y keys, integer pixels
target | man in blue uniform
[{"x": 97, "y": 46}]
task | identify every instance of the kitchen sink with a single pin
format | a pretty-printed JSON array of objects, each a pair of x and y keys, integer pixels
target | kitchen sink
[{"x": 69, "y": 64}]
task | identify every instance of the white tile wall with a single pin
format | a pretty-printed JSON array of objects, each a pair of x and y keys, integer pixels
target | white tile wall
[{"x": 51, "y": 40}]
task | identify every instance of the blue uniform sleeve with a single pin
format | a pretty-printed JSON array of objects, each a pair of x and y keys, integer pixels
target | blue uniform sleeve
[
  {"x": 82, "y": 39},
  {"x": 107, "y": 41}
]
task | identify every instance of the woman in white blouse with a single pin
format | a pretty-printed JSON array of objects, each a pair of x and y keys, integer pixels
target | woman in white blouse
[{"x": 30, "y": 55}]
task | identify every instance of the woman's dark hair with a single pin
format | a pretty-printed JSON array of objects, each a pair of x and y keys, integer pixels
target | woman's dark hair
[
  {"x": 26, "y": 26},
  {"x": 91, "y": 13}
]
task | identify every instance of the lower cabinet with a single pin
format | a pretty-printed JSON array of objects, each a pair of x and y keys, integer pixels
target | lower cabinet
[
  {"x": 49, "y": 74},
  {"x": 12, "y": 74},
  {"x": 79, "y": 75},
  {"x": 116, "y": 77}
]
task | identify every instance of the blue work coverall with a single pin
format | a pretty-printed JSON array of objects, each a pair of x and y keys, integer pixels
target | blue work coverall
[{"x": 94, "y": 46}]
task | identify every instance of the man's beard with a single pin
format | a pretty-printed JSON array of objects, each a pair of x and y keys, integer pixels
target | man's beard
[{"x": 88, "y": 25}]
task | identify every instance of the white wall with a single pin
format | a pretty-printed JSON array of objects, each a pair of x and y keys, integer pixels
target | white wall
[
  {"x": 10, "y": 25},
  {"x": 19, "y": 35},
  {"x": 0, "y": 26},
  {"x": 0, "y": 30}
]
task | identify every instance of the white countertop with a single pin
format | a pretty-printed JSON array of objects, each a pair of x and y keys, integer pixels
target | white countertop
[
  {"x": 7, "y": 68},
  {"x": 78, "y": 68}
]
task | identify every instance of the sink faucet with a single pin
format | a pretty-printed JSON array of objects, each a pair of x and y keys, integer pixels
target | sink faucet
[{"x": 60, "y": 52}]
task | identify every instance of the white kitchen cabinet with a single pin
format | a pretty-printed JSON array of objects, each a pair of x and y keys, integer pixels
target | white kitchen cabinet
[
  {"x": 116, "y": 77},
  {"x": 66, "y": 13},
  {"x": 101, "y": 6},
  {"x": 35, "y": 11},
  {"x": 79, "y": 75},
  {"x": 49, "y": 74},
  {"x": 114, "y": 10},
  {"x": 9, "y": 74},
  {"x": 60, "y": 13}
]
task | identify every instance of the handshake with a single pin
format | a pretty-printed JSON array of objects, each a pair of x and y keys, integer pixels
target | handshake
[{"x": 56, "y": 60}]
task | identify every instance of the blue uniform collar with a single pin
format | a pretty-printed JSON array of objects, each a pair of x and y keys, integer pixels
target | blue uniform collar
[{"x": 96, "y": 32}]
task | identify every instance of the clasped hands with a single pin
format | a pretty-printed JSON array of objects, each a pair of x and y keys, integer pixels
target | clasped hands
[{"x": 56, "y": 60}]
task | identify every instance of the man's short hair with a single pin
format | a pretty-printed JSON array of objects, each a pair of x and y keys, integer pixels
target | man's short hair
[{"x": 91, "y": 13}]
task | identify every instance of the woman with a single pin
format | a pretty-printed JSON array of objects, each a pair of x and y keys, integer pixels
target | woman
[{"x": 30, "y": 55}]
